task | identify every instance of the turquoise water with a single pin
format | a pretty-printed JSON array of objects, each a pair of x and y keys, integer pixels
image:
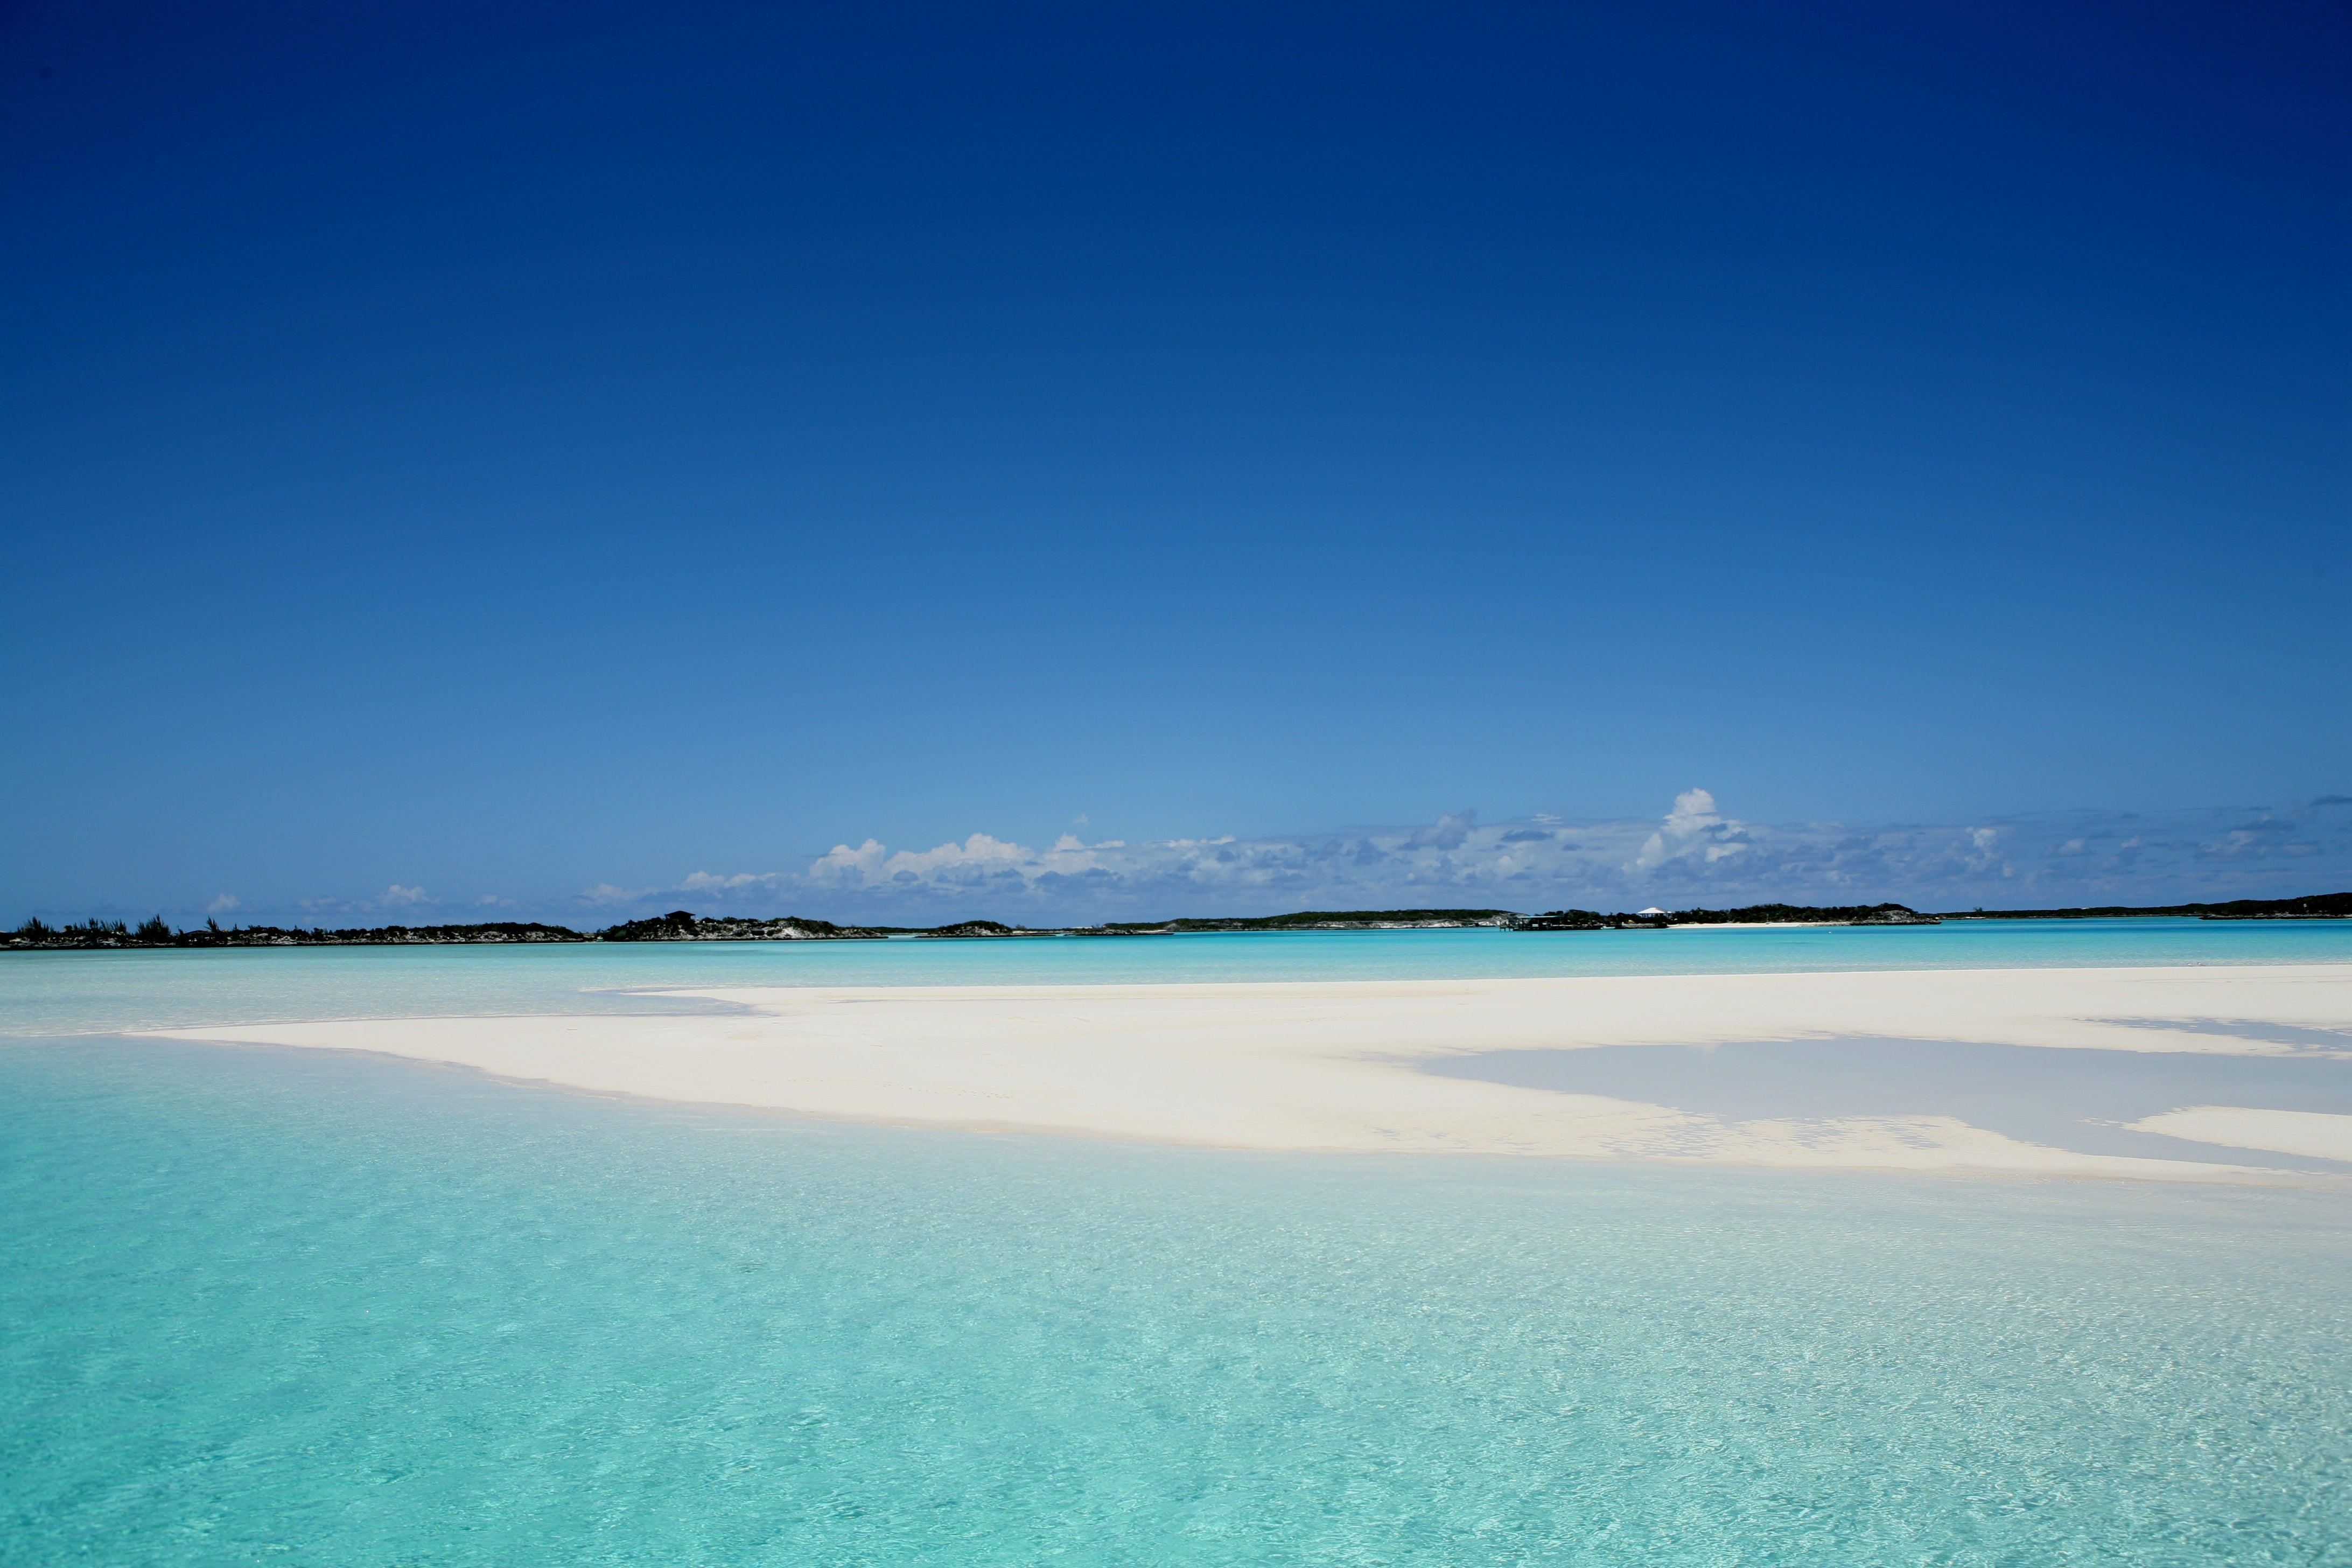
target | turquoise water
[
  {"x": 74, "y": 993},
  {"x": 285, "y": 1307},
  {"x": 304, "y": 1308}
]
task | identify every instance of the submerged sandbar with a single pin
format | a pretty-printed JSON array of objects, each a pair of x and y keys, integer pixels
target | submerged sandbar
[{"x": 1345, "y": 1066}]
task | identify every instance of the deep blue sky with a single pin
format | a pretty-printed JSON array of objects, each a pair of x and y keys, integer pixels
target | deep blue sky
[{"x": 500, "y": 449}]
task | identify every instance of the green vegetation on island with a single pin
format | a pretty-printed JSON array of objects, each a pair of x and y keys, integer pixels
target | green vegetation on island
[
  {"x": 154, "y": 933},
  {"x": 678, "y": 925},
  {"x": 1313, "y": 919},
  {"x": 2316, "y": 907},
  {"x": 684, "y": 925},
  {"x": 1753, "y": 914}
]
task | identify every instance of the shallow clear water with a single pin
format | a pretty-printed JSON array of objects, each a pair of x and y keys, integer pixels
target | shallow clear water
[
  {"x": 307, "y": 1308},
  {"x": 293, "y": 1306},
  {"x": 2082, "y": 1100},
  {"x": 71, "y": 993}
]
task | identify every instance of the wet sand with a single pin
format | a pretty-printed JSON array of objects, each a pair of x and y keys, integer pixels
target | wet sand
[{"x": 1412, "y": 1066}]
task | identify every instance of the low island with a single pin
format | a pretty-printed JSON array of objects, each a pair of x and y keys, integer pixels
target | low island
[{"x": 683, "y": 925}]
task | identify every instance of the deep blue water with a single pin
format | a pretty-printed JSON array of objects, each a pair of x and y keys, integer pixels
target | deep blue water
[{"x": 284, "y": 1306}]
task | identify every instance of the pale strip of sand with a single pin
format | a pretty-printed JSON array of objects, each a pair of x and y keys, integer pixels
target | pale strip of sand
[
  {"x": 1334, "y": 1066},
  {"x": 2308, "y": 1132}
]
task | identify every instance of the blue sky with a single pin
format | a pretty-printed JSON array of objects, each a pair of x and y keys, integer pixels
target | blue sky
[{"x": 499, "y": 453}]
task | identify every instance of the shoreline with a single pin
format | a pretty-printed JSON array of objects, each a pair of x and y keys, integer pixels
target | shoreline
[
  {"x": 2206, "y": 1175},
  {"x": 1338, "y": 1066},
  {"x": 683, "y": 925}
]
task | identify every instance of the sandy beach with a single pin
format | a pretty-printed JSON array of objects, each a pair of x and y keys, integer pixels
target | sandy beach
[{"x": 1340, "y": 1066}]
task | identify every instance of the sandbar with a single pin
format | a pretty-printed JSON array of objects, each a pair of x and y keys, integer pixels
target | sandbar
[{"x": 1339, "y": 1065}]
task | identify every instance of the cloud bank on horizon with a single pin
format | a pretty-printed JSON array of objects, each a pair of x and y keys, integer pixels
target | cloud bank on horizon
[{"x": 1695, "y": 855}]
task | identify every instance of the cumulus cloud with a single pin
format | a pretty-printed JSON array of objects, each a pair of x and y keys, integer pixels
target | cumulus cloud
[
  {"x": 2266, "y": 838},
  {"x": 396, "y": 894},
  {"x": 222, "y": 905},
  {"x": 1694, "y": 853},
  {"x": 980, "y": 860},
  {"x": 703, "y": 883},
  {"x": 604, "y": 895},
  {"x": 1693, "y": 827}
]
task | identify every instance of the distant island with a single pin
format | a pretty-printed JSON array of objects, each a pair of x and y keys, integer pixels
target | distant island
[
  {"x": 1319, "y": 920},
  {"x": 155, "y": 933},
  {"x": 684, "y": 925},
  {"x": 1753, "y": 915},
  {"x": 2318, "y": 907}
]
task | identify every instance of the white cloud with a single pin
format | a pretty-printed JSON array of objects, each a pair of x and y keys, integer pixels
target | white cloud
[
  {"x": 605, "y": 894},
  {"x": 222, "y": 905},
  {"x": 1692, "y": 827},
  {"x": 1694, "y": 809},
  {"x": 978, "y": 853},
  {"x": 396, "y": 894},
  {"x": 841, "y": 863},
  {"x": 979, "y": 858},
  {"x": 1693, "y": 855},
  {"x": 703, "y": 881}
]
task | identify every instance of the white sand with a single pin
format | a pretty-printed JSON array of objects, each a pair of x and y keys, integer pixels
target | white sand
[
  {"x": 2281, "y": 1131},
  {"x": 1334, "y": 1066}
]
